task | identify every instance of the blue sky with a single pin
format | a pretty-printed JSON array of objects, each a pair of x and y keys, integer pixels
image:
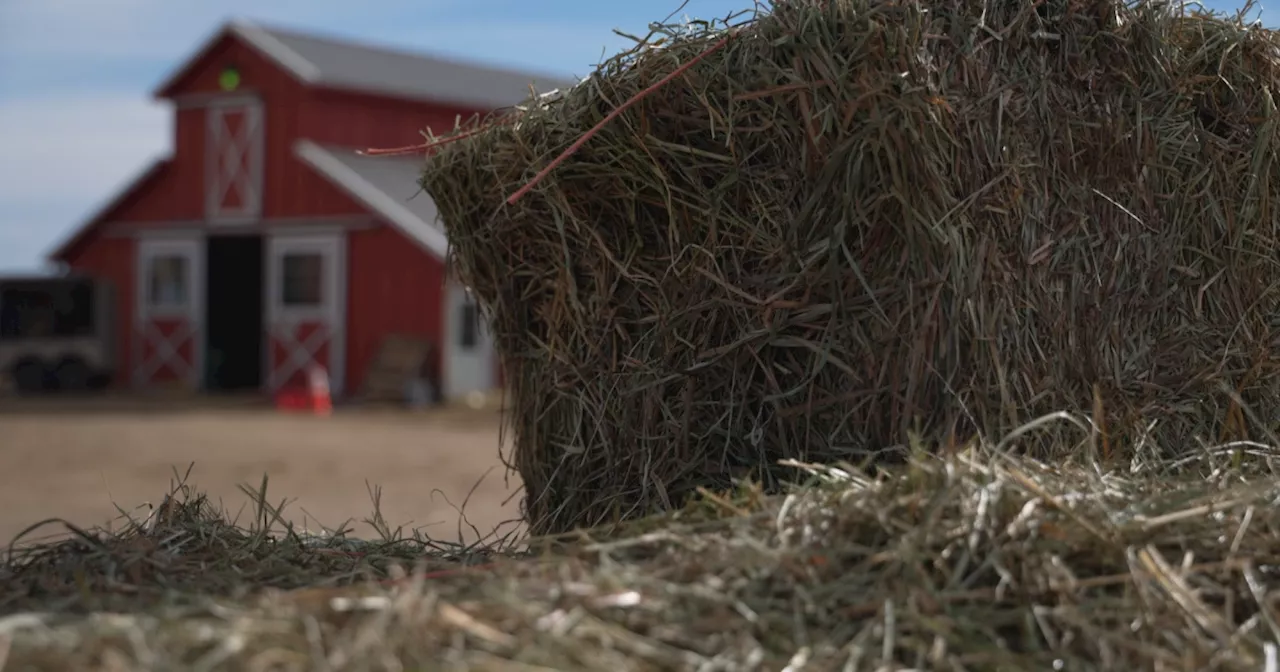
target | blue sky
[{"x": 76, "y": 77}]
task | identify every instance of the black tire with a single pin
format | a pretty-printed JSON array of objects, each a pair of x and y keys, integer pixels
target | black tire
[
  {"x": 99, "y": 381},
  {"x": 72, "y": 374},
  {"x": 30, "y": 376}
]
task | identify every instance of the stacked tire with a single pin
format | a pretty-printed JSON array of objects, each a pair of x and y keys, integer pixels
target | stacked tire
[{"x": 33, "y": 375}]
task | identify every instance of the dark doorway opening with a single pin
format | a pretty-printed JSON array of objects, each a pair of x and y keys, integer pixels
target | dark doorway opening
[{"x": 233, "y": 313}]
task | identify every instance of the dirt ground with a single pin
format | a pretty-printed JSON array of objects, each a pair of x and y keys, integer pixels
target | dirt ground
[{"x": 78, "y": 460}]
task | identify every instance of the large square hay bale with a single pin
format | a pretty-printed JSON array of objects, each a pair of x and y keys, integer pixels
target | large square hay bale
[{"x": 859, "y": 219}]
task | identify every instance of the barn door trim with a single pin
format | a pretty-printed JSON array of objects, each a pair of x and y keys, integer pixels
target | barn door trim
[
  {"x": 283, "y": 319},
  {"x": 166, "y": 348},
  {"x": 463, "y": 318},
  {"x": 244, "y": 145}
]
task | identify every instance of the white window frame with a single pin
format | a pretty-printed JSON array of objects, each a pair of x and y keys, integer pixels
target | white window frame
[
  {"x": 149, "y": 250},
  {"x": 330, "y": 250},
  {"x": 322, "y": 299}
]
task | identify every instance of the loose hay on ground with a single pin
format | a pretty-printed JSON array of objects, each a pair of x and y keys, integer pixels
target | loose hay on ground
[
  {"x": 857, "y": 218},
  {"x": 187, "y": 548},
  {"x": 976, "y": 562}
]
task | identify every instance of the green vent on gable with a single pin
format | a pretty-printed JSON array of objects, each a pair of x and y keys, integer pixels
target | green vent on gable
[{"x": 229, "y": 80}]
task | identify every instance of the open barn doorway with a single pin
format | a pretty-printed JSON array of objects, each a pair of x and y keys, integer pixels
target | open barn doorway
[{"x": 234, "y": 321}]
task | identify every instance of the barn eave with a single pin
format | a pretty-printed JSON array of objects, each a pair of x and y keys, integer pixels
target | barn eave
[{"x": 386, "y": 185}]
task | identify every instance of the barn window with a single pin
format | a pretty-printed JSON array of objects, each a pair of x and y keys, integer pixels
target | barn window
[
  {"x": 469, "y": 324},
  {"x": 302, "y": 284},
  {"x": 167, "y": 284}
]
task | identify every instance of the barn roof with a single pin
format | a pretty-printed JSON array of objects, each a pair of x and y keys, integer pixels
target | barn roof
[
  {"x": 343, "y": 64},
  {"x": 386, "y": 185}
]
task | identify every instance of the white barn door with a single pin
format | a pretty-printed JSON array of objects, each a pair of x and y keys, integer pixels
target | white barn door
[
  {"x": 468, "y": 353},
  {"x": 306, "y": 308},
  {"x": 169, "y": 321}
]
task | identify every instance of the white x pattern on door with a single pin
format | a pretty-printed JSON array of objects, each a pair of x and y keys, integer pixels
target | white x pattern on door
[
  {"x": 165, "y": 351},
  {"x": 299, "y": 354},
  {"x": 235, "y": 162}
]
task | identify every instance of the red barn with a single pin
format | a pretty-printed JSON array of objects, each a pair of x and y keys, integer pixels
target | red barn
[{"x": 265, "y": 243}]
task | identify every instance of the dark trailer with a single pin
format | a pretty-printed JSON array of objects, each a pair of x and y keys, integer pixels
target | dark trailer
[{"x": 56, "y": 333}]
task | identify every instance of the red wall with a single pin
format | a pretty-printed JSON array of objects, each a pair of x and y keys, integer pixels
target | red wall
[
  {"x": 367, "y": 121},
  {"x": 112, "y": 259},
  {"x": 394, "y": 287}
]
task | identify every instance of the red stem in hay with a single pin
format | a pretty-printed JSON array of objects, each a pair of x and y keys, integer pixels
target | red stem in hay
[
  {"x": 417, "y": 149},
  {"x": 395, "y": 151},
  {"x": 427, "y": 146},
  {"x": 611, "y": 116}
]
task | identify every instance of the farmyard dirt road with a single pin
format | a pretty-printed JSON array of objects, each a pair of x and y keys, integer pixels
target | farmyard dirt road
[{"x": 78, "y": 461}]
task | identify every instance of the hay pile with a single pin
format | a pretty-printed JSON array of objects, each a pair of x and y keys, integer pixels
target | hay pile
[
  {"x": 977, "y": 562},
  {"x": 858, "y": 219}
]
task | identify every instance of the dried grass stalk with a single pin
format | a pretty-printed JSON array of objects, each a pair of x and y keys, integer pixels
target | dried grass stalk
[
  {"x": 980, "y": 561},
  {"x": 864, "y": 218}
]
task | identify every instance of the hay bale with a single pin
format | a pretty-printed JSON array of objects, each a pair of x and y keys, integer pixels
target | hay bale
[{"x": 859, "y": 219}]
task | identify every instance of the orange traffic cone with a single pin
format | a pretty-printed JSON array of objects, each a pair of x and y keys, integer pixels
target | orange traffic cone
[{"x": 318, "y": 388}]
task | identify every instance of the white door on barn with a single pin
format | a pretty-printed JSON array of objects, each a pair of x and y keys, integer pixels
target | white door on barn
[
  {"x": 170, "y": 311},
  {"x": 233, "y": 167},
  {"x": 306, "y": 308},
  {"x": 469, "y": 356}
]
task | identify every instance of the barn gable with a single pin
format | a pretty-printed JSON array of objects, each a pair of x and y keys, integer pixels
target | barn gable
[{"x": 202, "y": 74}]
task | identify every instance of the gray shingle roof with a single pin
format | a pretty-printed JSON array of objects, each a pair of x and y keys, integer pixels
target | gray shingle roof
[
  {"x": 352, "y": 65},
  {"x": 344, "y": 64},
  {"x": 387, "y": 185},
  {"x": 348, "y": 65}
]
